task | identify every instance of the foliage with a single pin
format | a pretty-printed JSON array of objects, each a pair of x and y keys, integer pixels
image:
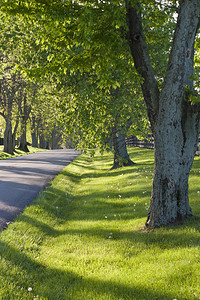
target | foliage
[{"x": 70, "y": 42}]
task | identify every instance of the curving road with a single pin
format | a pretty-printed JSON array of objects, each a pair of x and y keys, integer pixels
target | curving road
[{"x": 22, "y": 178}]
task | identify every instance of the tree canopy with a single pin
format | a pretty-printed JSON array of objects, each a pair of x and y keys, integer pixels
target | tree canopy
[{"x": 116, "y": 46}]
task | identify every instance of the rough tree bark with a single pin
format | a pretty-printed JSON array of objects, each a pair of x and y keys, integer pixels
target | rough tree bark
[{"x": 174, "y": 120}]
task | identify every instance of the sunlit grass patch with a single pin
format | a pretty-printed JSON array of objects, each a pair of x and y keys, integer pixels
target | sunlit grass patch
[{"x": 84, "y": 238}]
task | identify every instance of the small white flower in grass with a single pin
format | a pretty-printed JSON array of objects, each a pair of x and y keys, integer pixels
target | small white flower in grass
[
  {"x": 119, "y": 196},
  {"x": 57, "y": 207},
  {"x": 106, "y": 217},
  {"x": 30, "y": 289},
  {"x": 114, "y": 215}
]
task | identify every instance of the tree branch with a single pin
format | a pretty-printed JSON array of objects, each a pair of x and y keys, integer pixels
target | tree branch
[{"x": 140, "y": 54}]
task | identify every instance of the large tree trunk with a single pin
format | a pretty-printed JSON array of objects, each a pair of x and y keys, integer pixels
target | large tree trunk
[
  {"x": 175, "y": 145},
  {"x": 121, "y": 156},
  {"x": 174, "y": 120}
]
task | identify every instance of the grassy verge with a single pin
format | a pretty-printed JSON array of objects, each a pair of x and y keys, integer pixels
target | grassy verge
[
  {"x": 18, "y": 152},
  {"x": 83, "y": 238}
]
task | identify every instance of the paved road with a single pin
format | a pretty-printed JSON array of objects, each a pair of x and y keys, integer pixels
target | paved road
[{"x": 22, "y": 178}]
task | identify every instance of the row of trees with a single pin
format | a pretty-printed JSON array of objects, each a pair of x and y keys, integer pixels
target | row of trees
[
  {"x": 90, "y": 106},
  {"x": 20, "y": 97},
  {"x": 19, "y": 105},
  {"x": 105, "y": 60}
]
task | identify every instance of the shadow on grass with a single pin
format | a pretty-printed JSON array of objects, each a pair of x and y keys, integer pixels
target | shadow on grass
[
  {"x": 171, "y": 237},
  {"x": 94, "y": 206},
  {"x": 114, "y": 173},
  {"x": 52, "y": 283}
]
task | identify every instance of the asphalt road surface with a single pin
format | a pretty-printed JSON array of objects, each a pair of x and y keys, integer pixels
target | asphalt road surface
[{"x": 22, "y": 178}]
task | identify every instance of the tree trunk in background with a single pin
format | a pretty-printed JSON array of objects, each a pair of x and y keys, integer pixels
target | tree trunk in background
[
  {"x": 34, "y": 134},
  {"x": 8, "y": 140},
  {"x": 23, "y": 142},
  {"x": 24, "y": 117},
  {"x": 14, "y": 133},
  {"x": 121, "y": 156},
  {"x": 55, "y": 138},
  {"x": 34, "y": 140},
  {"x": 42, "y": 142}
]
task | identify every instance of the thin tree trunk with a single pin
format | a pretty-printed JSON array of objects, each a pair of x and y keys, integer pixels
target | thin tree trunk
[
  {"x": 14, "y": 133},
  {"x": 26, "y": 111},
  {"x": 34, "y": 132}
]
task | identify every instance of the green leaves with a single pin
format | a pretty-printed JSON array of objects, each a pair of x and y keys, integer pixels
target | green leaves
[{"x": 82, "y": 48}]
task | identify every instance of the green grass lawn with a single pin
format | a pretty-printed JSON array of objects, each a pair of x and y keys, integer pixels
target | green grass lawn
[
  {"x": 84, "y": 238},
  {"x": 18, "y": 152}
]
